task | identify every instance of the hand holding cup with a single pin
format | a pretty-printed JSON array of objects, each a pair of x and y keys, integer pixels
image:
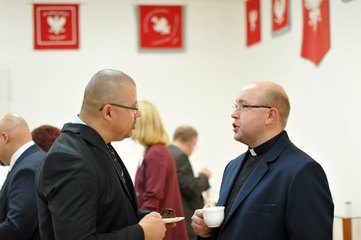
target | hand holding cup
[{"x": 213, "y": 216}]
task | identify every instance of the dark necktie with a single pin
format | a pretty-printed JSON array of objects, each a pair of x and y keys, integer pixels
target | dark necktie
[
  {"x": 117, "y": 164},
  {"x": 119, "y": 169}
]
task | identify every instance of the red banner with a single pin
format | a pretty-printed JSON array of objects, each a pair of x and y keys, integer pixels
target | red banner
[
  {"x": 160, "y": 26},
  {"x": 56, "y": 26},
  {"x": 253, "y": 19},
  {"x": 316, "y": 29},
  {"x": 280, "y": 15}
]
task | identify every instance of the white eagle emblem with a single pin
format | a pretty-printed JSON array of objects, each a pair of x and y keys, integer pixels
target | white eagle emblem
[
  {"x": 161, "y": 25},
  {"x": 56, "y": 24},
  {"x": 314, "y": 12},
  {"x": 279, "y": 10},
  {"x": 253, "y": 17}
]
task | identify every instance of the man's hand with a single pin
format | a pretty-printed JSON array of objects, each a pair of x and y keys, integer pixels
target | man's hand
[
  {"x": 199, "y": 226},
  {"x": 153, "y": 226}
]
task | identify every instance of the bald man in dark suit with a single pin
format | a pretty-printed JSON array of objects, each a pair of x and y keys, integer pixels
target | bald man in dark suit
[
  {"x": 84, "y": 189},
  {"x": 18, "y": 210}
]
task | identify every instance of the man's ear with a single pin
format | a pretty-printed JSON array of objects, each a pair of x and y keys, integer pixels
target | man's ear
[
  {"x": 273, "y": 116},
  {"x": 106, "y": 111},
  {"x": 5, "y": 138}
]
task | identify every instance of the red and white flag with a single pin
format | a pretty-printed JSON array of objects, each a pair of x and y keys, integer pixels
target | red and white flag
[
  {"x": 280, "y": 15},
  {"x": 253, "y": 20},
  {"x": 56, "y": 26},
  {"x": 316, "y": 29},
  {"x": 160, "y": 26}
]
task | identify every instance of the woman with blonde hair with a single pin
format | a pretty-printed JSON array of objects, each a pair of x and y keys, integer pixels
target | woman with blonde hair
[{"x": 156, "y": 180}]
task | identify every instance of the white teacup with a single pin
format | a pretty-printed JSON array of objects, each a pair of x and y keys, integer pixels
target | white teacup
[{"x": 213, "y": 216}]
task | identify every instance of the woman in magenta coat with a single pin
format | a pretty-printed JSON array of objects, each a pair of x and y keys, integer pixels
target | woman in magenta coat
[{"x": 156, "y": 180}]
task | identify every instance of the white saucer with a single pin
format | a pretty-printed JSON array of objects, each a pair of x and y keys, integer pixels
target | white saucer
[{"x": 172, "y": 220}]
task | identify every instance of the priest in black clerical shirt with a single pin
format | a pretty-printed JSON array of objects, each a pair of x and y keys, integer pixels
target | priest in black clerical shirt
[{"x": 273, "y": 191}]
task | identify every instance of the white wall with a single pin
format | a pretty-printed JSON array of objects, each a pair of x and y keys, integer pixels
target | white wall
[{"x": 198, "y": 85}]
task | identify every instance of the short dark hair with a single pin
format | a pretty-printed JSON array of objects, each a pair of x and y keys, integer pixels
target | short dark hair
[{"x": 184, "y": 134}]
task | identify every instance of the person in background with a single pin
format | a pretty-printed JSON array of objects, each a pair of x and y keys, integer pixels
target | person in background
[
  {"x": 18, "y": 210},
  {"x": 274, "y": 190},
  {"x": 191, "y": 187},
  {"x": 45, "y": 136},
  {"x": 156, "y": 181},
  {"x": 84, "y": 189}
]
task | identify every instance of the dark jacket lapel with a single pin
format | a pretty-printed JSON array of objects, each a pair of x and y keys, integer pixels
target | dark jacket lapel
[
  {"x": 257, "y": 174},
  {"x": 27, "y": 152},
  {"x": 228, "y": 181},
  {"x": 93, "y": 137}
]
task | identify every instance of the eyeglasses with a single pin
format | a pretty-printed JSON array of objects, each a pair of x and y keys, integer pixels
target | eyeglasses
[
  {"x": 121, "y": 106},
  {"x": 239, "y": 107}
]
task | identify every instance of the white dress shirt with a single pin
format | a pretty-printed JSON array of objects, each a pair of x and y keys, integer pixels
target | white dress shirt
[{"x": 18, "y": 153}]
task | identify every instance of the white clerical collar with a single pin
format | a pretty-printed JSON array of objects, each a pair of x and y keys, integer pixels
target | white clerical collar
[
  {"x": 18, "y": 153},
  {"x": 253, "y": 153}
]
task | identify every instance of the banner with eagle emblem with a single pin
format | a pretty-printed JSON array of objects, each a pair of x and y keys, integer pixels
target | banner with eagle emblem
[
  {"x": 160, "y": 27},
  {"x": 56, "y": 26},
  {"x": 253, "y": 20},
  {"x": 316, "y": 29},
  {"x": 280, "y": 16}
]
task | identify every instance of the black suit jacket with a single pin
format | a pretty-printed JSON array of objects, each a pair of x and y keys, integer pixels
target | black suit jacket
[
  {"x": 80, "y": 192},
  {"x": 18, "y": 212}
]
